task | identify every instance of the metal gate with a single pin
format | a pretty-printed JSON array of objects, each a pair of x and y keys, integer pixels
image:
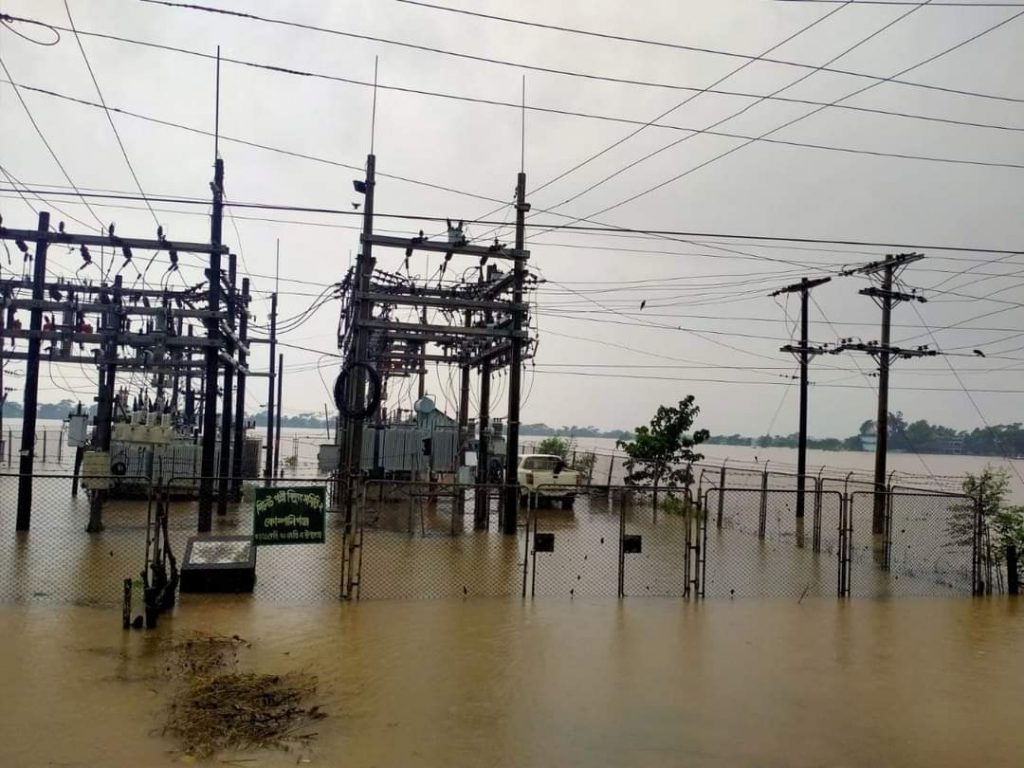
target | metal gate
[
  {"x": 755, "y": 546},
  {"x": 413, "y": 540},
  {"x": 929, "y": 544}
]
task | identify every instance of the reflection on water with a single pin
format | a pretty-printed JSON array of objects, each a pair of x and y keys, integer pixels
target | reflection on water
[{"x": 557, "y": 682}]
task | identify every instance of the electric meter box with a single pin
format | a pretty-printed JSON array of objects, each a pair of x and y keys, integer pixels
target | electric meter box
[{"x": 78, "y": 430}]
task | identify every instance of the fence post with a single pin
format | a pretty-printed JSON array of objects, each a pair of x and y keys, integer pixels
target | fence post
[
  {"x": 816, "y": 531},
  {"x": 44, "y": 446},
  {"x": 762, "y": 519},
  {"x": 721, "y": 493},
  {"x": 611, "y": 467},
  {"x": 622, "y": 546},
  {"x": 60, "y": 447},
  {"x": 1012, "y": 574},
  {"x": 841, "y": 572}
]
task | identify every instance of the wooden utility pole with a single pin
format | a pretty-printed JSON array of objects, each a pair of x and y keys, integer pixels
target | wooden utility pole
[
  {"x": 883, "y": 353},
  {"x": 804, "y": 352},
  {"x": 882, "y": 417},
  {"x": 31, "y": 396},
  {"x": 515, "y": 367}
]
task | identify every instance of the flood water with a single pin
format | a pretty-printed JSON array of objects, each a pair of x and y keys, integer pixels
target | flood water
[{"x": 503, "y": 682}]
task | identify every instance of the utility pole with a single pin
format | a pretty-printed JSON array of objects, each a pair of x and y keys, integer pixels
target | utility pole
[
  {"x": 227, "y": 410},
  {"x": 805, "y": 352},
  {"x": 277, "y": 428},
  {"x": 31, "y": 397},
  {"x": 190, "y": 396},
  {"x": 361, "y": 314},
  {"x": 483, "y": 454},
  {"x": 212, "y": 355},
  {"x": 883, "y": 353},
  {"x": 422, "y": 388},
  {"x": 243, "y": 358},
  {"x": 515, "y": 368},
  {"x": 105, "y": 399},
  {"x": 268, "y": 466},
  {"x": 464, "y": 372}
]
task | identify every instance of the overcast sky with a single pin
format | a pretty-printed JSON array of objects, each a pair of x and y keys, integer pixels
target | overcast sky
[{"x": 708, "y": 327}]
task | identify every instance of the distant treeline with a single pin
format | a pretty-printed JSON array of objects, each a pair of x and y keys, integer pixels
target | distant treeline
[
  {"x": 788, "y": 441},
  {"x": 301, "y": 421},
  {"x": 918, "y": 436},
  {"x": 543, "y": 430},
  {"x": 57, "y": 411}
]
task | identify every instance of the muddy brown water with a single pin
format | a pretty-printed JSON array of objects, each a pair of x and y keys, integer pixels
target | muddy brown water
[{"x": 502, "y": 682}]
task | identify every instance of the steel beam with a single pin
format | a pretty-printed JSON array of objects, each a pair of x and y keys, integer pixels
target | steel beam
[
  {"x": 105, "y": 241},
  {"x": 415, "y": 244},
  {"x": 416, "y": 300}
]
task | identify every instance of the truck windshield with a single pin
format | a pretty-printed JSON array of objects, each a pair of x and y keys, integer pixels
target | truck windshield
[{"x": 542, "y": 463}]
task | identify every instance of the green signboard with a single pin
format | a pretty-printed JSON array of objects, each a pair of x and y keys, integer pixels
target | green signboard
[{"x": 289, "y": 515}]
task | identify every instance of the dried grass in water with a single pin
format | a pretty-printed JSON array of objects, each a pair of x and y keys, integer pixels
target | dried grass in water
[
  {"x": 202, "y": 654},
  {"x": 216, "y": 710}
]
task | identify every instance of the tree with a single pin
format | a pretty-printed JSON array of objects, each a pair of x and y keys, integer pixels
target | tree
[
  {"x": 662, "y": 453},
  {"x": 582, "y": 461},
  {"x": 1005, "y": 522},
  {"x": 554, "y": 446}
]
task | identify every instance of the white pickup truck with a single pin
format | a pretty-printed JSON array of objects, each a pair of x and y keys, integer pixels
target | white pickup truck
[{"x": 544, "y": 477}]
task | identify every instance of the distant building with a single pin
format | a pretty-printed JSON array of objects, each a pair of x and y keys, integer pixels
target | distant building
[{"x": 868, "y": 436}]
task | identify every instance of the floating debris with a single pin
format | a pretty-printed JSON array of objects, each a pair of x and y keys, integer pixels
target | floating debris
[{"x": 217, "y": 709}]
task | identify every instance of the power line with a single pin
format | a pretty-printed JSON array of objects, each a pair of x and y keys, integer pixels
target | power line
[
  {"x": 15, "y": 182},
  {"x": 741, "y": 111},
  {"x": 788, "y": 123},
  {"x": 42, "y": 137},
  {"x": 612, "y": 118},
  {"x": 970, "y": 397},
  {"x": 937, "y": 4},
  {"x": 562, "y": 72},
  {"x": 683, "y": 103},
  {"x": 677, "y": 46},
  {"x": 637, "y": 131},
  {"x": 286, "y": 152},
  {"x": 549, "y": 244},
  {"x": 113, "y": 127},
  {"x": 770, "y": 383},
  {"x": 569, "y": 228},
  {"x": 243, "y": 142}
]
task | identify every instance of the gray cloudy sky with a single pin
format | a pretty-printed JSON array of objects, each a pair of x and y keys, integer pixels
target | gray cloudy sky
[{"x": 708, "y": 327}]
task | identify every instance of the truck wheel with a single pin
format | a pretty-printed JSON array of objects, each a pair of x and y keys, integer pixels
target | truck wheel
[{"x": 568, "y": 502}]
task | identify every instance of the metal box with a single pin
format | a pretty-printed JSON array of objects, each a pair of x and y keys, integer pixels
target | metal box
[{"x": 219, "y": 564}]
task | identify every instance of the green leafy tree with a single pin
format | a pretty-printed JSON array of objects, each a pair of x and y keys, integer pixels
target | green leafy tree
[
  {"x": 565, "y": 448},
  {"x": 1005, "y": 522},
  {"x": 662, "y": 454},
  {"x": 555, "y": 446}
]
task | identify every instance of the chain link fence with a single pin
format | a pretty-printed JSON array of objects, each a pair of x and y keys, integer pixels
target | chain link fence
[
  {"x": 56, "y": 560},
  {"x": 755, "y": 546},
  {"x": 417, "y": 540},
  {"x": 413, "y": 540}
]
